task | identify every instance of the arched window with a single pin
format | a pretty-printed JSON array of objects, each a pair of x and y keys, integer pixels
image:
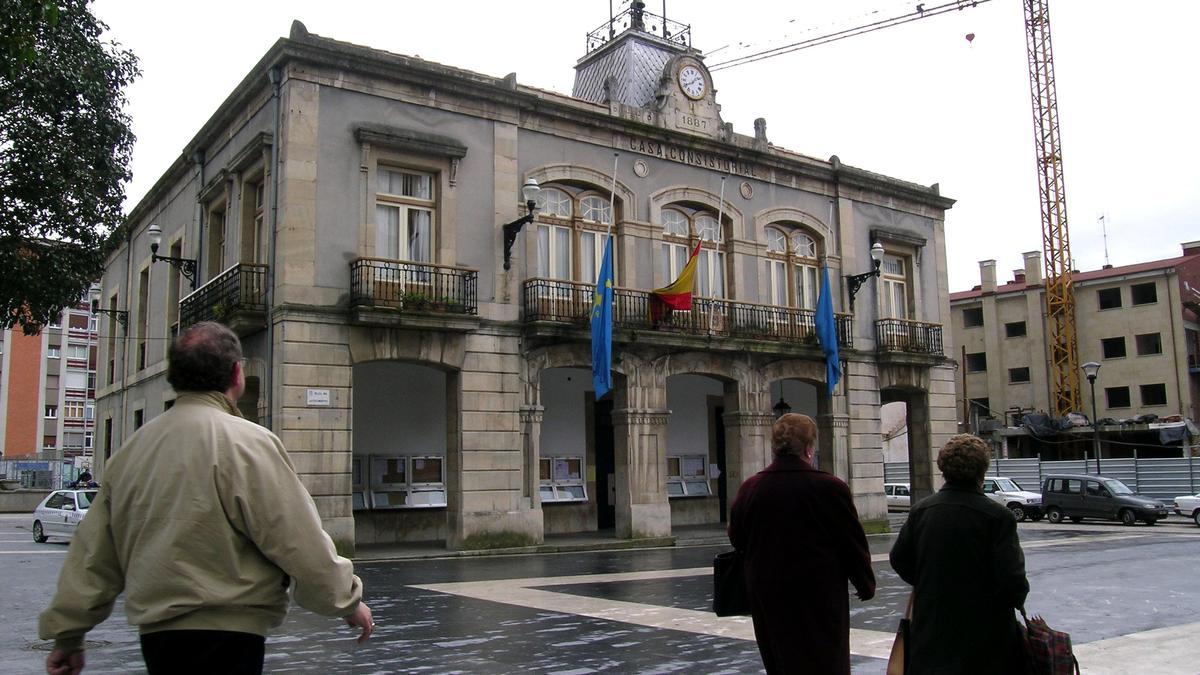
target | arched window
[
  {"x": 572, "y": 225},
  {"x": 792, "y": 266},
  {"x": 554, "y": 234},
  {"x": 555, "y": 203},
  {"x": 682, "y": 226},
  {"x": 595, "y": 209}
]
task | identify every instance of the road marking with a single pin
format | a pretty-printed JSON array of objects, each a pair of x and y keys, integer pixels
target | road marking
[
  {"x": 1166, "y": 649},
  {"x": 1162, "y": 650},
  {"x": 41, "y": 552},
  {"x": 522, "y": 593}
]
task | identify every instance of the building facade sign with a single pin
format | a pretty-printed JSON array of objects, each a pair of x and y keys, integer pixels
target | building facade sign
[{"x": 685, "y": 155}]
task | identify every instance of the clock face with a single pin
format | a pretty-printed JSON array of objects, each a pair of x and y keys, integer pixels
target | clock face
[{"x": 691, "y": 81}]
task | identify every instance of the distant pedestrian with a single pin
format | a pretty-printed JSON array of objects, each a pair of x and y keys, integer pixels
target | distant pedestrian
[
  {"x": 960, "y": 552},
  {"x": 801, "y": 538},
  {"x": 84, "y": 481},
  {"x": 203, "y": 523}
]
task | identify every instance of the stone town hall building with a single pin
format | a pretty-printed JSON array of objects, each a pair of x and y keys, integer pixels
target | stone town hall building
[{"x": 344, "y": 208}]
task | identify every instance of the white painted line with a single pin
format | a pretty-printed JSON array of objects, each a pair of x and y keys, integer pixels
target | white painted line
[
  {"x": 41, "y": 552},
  {"x": 1162, "y": 650},
  {"x": 521, "y": 592}
]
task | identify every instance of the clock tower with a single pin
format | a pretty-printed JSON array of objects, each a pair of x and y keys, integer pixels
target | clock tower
[{"x": 644, "y": 67}]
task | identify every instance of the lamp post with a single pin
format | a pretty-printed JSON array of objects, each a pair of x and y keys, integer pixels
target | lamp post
[
  {"x": 186, "y": 266},
  {"x": 530, "y": 192},
  {"x": 1091, "y": 369},
  {"x": 855, "y": 281},
  {"x": 781, "y": 408}
]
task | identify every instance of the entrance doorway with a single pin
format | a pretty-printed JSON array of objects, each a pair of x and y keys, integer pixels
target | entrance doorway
[{"x": 606, "y": 466}]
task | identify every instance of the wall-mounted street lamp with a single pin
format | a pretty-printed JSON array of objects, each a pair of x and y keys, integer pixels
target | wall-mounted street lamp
[
  {"x": 781, "y": 408},
  {"x": 1091, "y": 369},
  {"x": 855, "y": 281},
  {"x": 186, "y": 266},
  {"x": 122, "y": 316},
  {"x": 530, "y": 192}
]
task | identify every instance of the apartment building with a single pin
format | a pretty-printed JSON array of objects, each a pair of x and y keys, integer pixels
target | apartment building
[
  {"x": 48, "y": 389},
  {"x": 1139, "y": 322},
  {"x": 344, "y": 211}
]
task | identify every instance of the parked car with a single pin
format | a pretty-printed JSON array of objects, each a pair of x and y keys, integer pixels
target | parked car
[
  {"x": 1081, "y": 496},
  {"x": 60, "y": 513},
  {"x": 1188, "y": 506},
  {"x": 1008, "y": 492},
  {"x": 897, "y": 495}
]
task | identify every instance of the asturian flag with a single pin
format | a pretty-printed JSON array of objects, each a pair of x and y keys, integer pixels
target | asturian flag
[
  {"x": 602, "y": 302},
  {"x": 827, "y": 334}
]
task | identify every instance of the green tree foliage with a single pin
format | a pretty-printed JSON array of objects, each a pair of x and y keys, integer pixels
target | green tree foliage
[{"x": 65, "y": 144}]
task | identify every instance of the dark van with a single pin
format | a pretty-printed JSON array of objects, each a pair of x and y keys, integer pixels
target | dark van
[{"x": 1080, "y": 496}]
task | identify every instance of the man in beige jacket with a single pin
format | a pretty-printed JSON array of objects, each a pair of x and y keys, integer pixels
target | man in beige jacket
[{"x": 203, "y": 523}]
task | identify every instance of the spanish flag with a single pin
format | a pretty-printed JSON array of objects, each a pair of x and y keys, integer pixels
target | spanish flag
[{"x": 678, "y": 295}]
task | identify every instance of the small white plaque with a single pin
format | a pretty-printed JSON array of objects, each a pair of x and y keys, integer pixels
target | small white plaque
[{"x": 318, "y": 397}]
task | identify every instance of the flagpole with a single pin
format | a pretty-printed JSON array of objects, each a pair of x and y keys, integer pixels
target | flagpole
[
  {"x": 612, "y": 195},
  {"x": 712, "y": 311}
]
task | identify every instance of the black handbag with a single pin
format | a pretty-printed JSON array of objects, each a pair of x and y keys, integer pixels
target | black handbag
[{"x": 729, "y": 585}]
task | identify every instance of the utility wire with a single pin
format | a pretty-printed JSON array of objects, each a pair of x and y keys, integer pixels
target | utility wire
[{"x": 919, "y": 13}]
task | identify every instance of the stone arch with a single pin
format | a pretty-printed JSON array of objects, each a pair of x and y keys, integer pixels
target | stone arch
[
  {"x": 908, "y": 379},
  {"x": 626, "y": 366},
  {"x": 601, "y": 181},
  {"x": 445, "y": 351},
  {"x": 684, "y": 193},
  {"x": 807, "y": 370}
]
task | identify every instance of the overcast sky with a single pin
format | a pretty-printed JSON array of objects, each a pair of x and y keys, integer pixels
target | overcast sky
[{"x": 917, "y": 102}]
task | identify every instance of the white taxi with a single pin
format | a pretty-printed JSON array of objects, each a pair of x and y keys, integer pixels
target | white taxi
[{"x": 60, "y": 513}]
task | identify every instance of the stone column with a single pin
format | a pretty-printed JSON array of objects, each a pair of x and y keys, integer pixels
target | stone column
[
  {"x": 747, "y": 447},
  {"x": 833, "y": 435},
  {"x": 641, "y": 459},
  {"x": 922, "y": 454},
  {"x": 531, "y": 445}
]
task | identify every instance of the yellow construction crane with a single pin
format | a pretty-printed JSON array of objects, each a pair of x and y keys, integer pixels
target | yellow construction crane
[{"x": 1056, "y": 240}]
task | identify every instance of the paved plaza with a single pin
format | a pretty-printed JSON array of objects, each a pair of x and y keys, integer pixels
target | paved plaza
[{"x": 1127, "y": 596}]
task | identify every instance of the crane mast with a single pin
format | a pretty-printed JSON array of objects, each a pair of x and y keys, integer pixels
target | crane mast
[{"x": 1056, "y": 246}]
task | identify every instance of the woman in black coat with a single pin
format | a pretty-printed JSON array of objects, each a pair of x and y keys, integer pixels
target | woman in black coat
[
  {"x": 801, "y": 539},
  {"x": 960, "y": 552}
]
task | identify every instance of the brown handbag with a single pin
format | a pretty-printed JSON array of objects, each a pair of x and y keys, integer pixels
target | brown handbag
[{"x": 897, "y": 661}]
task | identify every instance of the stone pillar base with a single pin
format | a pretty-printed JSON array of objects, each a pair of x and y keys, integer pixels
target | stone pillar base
[
  {"x": 341, "y": 531},
  {"x": 488, "y": 530},
  {"x": 645, "y": 521}
]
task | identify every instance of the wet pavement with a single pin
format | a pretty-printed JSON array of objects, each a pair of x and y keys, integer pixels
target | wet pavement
[{"x": 1126, "y": 595}]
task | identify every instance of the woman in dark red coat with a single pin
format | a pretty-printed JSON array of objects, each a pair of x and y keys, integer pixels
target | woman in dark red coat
[{"x": 799, "y": 534}]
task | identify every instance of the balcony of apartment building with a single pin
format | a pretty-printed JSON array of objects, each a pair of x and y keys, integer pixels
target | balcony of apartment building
[
  {"x": 235, "y": 297},
  {"x": 555, "y": 308},
  {"x": 908, "y": 341},
  {"x": 418, "y": 295}
]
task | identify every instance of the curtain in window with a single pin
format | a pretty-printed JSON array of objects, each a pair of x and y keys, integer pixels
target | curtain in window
[
  {"x": 419, "y": 235},
  {"x": 387, "y": 231}
]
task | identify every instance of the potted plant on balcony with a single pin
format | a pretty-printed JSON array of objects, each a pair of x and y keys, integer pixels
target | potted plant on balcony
[{"x": 414, "y": 300}]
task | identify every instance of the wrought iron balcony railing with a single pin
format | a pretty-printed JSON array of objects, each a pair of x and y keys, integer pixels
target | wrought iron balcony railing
[
  {"x": 413, "y": 287},
  {"x": 639, "y": 19},
  {"x": 238, "y": 290},
  {"x": 570, "y": 302},
  {"x": 909, "y": 337}
]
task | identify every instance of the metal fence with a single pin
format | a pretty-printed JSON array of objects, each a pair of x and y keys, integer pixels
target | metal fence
[
  {"x": 1160, "y": 477},
  {"x": 43, "y": 474},
  {"x": 413, "y": 287}
]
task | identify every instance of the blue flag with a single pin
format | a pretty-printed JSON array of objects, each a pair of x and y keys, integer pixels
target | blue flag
[
  {"x": 602, "y": 303},
  {"x": 827, "y": 334}
]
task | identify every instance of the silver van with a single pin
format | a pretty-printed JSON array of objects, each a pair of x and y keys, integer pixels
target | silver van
[{"x": 1078, "y": 496}]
